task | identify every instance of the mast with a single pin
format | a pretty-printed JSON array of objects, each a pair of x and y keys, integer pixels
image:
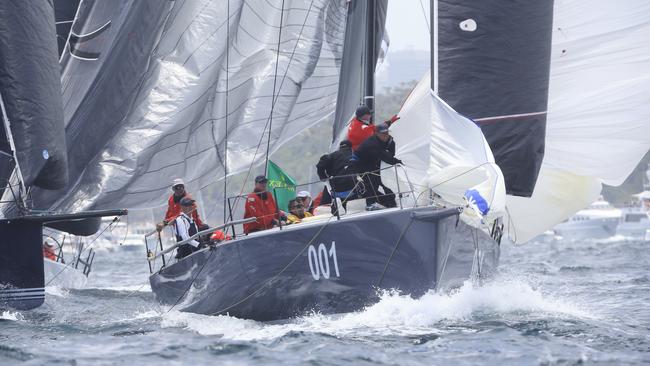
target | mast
[
  {"x": 275, "y": 96},
  {"x": 370, "y": 57},
  {"x": 225, "y": 149},
  {"x": 433, "y": 39},
  {"x": 10, "y": 138}
]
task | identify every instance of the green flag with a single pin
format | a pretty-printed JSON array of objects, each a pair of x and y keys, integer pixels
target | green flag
[{"x": 281, "y": 185}]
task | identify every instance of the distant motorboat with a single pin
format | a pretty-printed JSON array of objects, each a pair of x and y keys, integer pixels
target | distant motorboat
[
  {"x": 635, "y": 221},
  {"x": 598, "y": 220}
]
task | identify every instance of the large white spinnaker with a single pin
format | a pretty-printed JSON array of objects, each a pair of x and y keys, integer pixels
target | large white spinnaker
[
  {"x": 598, "y": 126},
  {"x": 448, "y": 153}
]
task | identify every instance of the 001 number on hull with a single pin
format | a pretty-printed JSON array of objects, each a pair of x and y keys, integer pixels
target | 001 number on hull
[{"x": 319, "y": 261}]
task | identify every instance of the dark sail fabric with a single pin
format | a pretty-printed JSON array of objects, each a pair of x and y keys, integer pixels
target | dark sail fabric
[
  {"x": 354, "y": 76},
  {"x": 147, "y": 87},
  {"x": 64, "y": 12},
  {"x": 30, "y": 88},
  {"x": 491, "y": 63}
]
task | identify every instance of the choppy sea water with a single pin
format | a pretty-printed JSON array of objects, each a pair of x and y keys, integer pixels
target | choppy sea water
[{"x": 553, "y": 303}]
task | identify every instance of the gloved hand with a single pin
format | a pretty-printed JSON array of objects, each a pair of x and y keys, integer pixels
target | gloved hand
[
  {"x": 392, "y": 120},
  {"x": 399, "y": 162}
]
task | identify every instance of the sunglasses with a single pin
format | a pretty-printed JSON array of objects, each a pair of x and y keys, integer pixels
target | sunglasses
[
  {"x": 298, "y": 206},
  {"x": 178, "y": 187}
]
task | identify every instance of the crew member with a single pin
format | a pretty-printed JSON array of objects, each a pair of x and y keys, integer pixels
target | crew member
[
  {"x": 368, "y": 157},
  {"x": 305, "y": 198},
  {"x": 260, "y": 204},
  {"x": 361, "y": 127},
  {"x": 336, "y": 167},
  {"x": 185, "y": 227},
  {"x": 174, "y": 207},
  {"x": 48, "y": 251},
  {"x": 297, "y": 212}
]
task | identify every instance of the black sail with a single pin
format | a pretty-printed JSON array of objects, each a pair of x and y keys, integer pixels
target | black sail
[
  {"x": 365, "y": 23},
  {"x": 491, "y": 62},
  {"x": 30, "y": 88}
]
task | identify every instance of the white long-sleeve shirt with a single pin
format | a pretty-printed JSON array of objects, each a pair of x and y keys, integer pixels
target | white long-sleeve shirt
[{"x": 182, "y": 225}]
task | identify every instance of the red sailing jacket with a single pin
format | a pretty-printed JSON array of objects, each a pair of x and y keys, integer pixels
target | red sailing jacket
[
  {"x": 174, "y": 209},
  {"x": 264, "y": 210},
  {"x": 358, "y": 132}
]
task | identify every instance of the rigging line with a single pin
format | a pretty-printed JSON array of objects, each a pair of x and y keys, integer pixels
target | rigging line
[
  {"x": 273, "y": 100},
  {"x": 286, "y": 71},
  {"x": 187, "y": 289},
  {"x": 225, "y": 150},
  {"x": 116, "y": 219},
  {"x": 269, "y": 281},
  {"x": 399, "y": 240},
  {"x": 424, "y": 13}
]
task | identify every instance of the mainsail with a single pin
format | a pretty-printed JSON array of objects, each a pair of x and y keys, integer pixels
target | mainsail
[
  {"x": 30, "y": 96},
  {"x": 363, "y": 38},
  {"x": 151, "y": 89}
]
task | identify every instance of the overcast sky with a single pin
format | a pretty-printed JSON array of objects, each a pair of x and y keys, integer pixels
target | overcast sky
[{"x": 406, "y": 24}]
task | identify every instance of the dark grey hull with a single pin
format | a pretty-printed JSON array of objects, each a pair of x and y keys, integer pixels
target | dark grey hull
[{"x": 328, "y": 267}]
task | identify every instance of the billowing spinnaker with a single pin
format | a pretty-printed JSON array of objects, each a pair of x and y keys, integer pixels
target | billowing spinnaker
[
  {"x": 598, "y": 125},
  {"x": 448, "y": 153},
  {"x": 145, "y": 91}
]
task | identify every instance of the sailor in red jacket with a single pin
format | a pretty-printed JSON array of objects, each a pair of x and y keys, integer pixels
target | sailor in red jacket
[
  {"x": 361, "y": 126},
  {"x": 174, "y": 205},
  {"x": 260, "y": 204}
]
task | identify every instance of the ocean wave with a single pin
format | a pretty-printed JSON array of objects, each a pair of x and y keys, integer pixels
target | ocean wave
[
  {"x": 55, "y": 290},
  {"x": 394, "y": 313},
  {"x": 11, "y": 316}
]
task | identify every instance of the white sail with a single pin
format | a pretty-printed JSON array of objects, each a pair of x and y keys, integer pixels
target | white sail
[
  {"x": 447, "y": 153},
  {"x": 152, "y": 88},
  {"x": 598, "y": 125}
]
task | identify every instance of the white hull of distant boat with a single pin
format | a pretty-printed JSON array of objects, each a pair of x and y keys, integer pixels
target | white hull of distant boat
[
  {"x": 598, "y": 221},
  {"x": 635, "y": 224},
  {"x": 62, "y": 275},
  {"x": 596, "y": 228}
]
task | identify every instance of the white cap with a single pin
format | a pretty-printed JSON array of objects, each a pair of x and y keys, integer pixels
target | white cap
[
  {"x": 177, "y": 181},
  {"x": 303, "y": 194}
]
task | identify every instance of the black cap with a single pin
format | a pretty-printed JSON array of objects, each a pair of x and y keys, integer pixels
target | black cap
[
  {"x": 382, "y": 128},
  {"x": 362, "y": 110},
  {"x": 345, "y": 143},
  {"x": 187, "y": 201},
  {"x": 261, "y": 179}
]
